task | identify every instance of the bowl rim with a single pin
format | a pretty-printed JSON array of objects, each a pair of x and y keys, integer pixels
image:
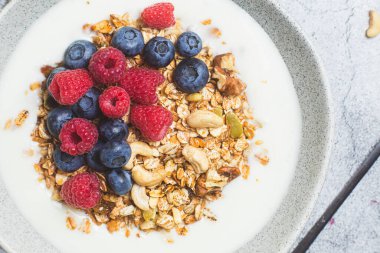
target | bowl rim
[{"x": 289, "y": 239}]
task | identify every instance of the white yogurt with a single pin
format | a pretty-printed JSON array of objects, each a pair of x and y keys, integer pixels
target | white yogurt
[{"x": 247, "y": 205}]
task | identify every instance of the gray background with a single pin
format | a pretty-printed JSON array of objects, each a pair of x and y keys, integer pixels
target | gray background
[{"x": 336, "y": 28}]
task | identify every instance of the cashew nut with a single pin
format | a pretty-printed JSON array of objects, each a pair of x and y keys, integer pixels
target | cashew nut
[
  {"x": 139, "y": 197},
  {"x": 202, "y": 119},
  {"x": 140, "y": 148},
  {"x": 147, "y": 178},
  {"x": 197, "y": 158},
  {"x": 374, "y": 24}
]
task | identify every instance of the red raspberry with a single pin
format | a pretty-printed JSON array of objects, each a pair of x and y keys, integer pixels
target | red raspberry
[
  {"x": 69, "y": 86},
  {"x": 159, "y": 16},
  {"x": 78, "y": 136},
  {"x": 153, "y": 121},
  {"x": 82, "y": 191},
  {"x": 141, "y": 84},
  {"x": 114, "y": 102},
  {"x": 108, "y": 65}
]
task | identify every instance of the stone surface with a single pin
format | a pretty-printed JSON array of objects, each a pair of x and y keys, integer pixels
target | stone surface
[{"x": 337, "y": 31}]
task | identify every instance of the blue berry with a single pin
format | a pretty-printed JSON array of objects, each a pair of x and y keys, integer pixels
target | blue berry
[
  {"x": 191, "y": 75},
  {"x": 115, "y": 154},
  {"x": 66, "y": 162},
  {"x": 57, "y": 118},
  {"x": 120, "y": 181},
  {"x": 128, "y": 40},
  {"x": 189, "y": 44},
  {"x": 158, "y": 52},
  {"x": 52, "y": 74},
  {"x": 88, "y": 107},
  {"x": 78, "y": 54},
  {"x": 93, "y": 158},
  {"x": 113, "y": 130}
]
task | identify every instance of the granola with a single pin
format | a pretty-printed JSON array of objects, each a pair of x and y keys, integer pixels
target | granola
[{"x": 206, "y": 148}]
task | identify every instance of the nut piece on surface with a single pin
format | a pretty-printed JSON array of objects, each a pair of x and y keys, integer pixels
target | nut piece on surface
[
  {"x": 197, "y": 158},
  {"x": 374, "y": 24},
  {"x": 139, "y": 197},
  {"x": 143, "y": 177},
  {"x": 230, "y": 86},
  {"x": 140, "y": 148},
  {"x": 203, "y": 119},
  {"x": 225, "y": 61}
]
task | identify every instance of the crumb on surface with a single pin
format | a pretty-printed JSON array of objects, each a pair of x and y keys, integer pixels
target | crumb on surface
[
  {"x": 169, "y": 240},
  {"x": 264, "y": 81},
  {"x": 8, "y": 124},
  {"x": 71, "y": 223},
  {"x": 138, "y": 235},
  {"x": 245, "y": 171},
  {"x": 259, "y": 142},
  {"x": 34, "y": 86},
  {"x": 21, "y": 117},
  {"x": 127, "y": 232},
  {"x": 85, "y": 226},
  {"x": 29, "y": 152},
  {"x": 216, "y": 32},
  {"x": 86, "y": 26},
  {"x": 206, "y": 22}
]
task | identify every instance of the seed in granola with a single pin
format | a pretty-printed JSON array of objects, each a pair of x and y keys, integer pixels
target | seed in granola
[
  {"x": 236, "y": 128},
  {"x": 218, "y": 111}
]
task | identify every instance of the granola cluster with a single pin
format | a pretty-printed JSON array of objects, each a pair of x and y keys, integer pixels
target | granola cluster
[{"x": 176, "y": 177}]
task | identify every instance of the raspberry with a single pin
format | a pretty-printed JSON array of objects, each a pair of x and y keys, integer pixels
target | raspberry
[
  {"x": 78, "y": 136},
  {"x": 114, "y": 102},
  {"x": 69, "y": 86},
  {"x": 82, "y": 191},
  {"x": 108, "y": 65},
  {"x": 141, "y": 84},
  {"x": 153, "y": 121},
  {"x": 159, "y": 16}
]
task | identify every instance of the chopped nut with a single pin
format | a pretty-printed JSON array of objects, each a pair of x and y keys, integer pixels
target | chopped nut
[
  {"x": 230, "y": 172},
  {"x": 229, "y": 86},
  {"x": 225, "y": 61}
]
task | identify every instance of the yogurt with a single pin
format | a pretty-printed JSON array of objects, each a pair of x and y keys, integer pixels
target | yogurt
[{"x": 247, "y": 205}]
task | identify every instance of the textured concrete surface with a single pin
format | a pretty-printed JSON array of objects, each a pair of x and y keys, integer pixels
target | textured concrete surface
[{"x": 352, "y": 62}]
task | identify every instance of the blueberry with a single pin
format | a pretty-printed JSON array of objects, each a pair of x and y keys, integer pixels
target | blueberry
[
  {"x": 115, "y": 154},
  {"x": 88, "y": 107},
  {"x": 120, "y": 181},
  {"x": 66, "y": 162},
  {"x": 52, "y": 74},
  {"x": 57, "y": 118},
  {"x": 113, "y": 130},
  {"x": 189, "y": 44},
  {"x": 191, "y": 75},
  {"x": 128, "y": 40},
  {"x": 78, "y": 54},
  {"x": 93, "y": 158},
  {"x": 158, "y": 52}
]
